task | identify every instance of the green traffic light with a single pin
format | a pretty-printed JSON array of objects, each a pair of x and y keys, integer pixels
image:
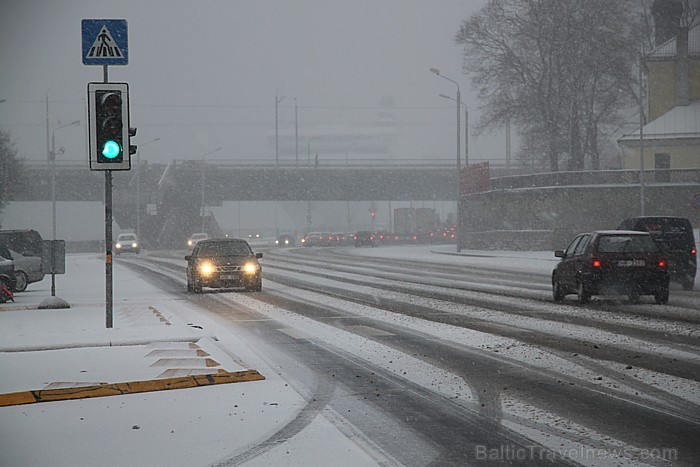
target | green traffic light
[{"x": 111, "y": 149}]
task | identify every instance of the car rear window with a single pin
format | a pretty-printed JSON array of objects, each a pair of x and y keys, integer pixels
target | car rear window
[{"x": 626, "y": 244}]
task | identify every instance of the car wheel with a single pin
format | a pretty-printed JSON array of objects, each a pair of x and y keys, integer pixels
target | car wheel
[
  {"x": 189, "y": 287},
  {"x": 661, "y": 296},
  {"x": 557, "y": 291},
  {"x": 22, "y": 281},
  {"x": 584, "y": 296},
  {"x": 688, "y": 283}
]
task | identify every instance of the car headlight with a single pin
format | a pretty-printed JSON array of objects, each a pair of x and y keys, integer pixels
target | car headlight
[
  {"x": 206, "y": 269},
  {"x": 189, "y": 242},
  {"x": 118, "y": 245},
  {"x": 134, "y": 245},
  {"x": 277, "y": 242},
  {"x": 250, "y": 268}
]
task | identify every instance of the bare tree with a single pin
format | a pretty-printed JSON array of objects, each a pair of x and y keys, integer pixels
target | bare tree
[
  {"x": 558, "y": 68},
  {"x": 10, "y": 167}
]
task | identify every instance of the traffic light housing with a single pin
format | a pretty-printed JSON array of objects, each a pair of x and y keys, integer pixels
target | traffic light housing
[{"x": 108, "y": 116}]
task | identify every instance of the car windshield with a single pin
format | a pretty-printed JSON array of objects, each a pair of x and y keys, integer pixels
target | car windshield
[
  {"x": 626, "y": 244},
  {"x": 127, "y": 238},
  {"x": 224, "y": 249}
]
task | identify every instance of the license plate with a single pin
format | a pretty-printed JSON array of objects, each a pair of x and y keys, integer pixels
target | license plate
[
  {"x": 626, "y": 263},
  {"x": 226, "y": 277}
]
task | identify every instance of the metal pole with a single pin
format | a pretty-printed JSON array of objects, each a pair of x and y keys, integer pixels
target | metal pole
[
  {"x": 277, "y": 142},
  {"x": 108, "y": 244},
  {"x": 466, "y": 136},
  {"x": 53, "y": 211},
  {"x": 459, "y": 174},
  {"x": 109, "y": 282},
  {"x": 296, "y": 131},
  {"x": 641, "y": 136}
]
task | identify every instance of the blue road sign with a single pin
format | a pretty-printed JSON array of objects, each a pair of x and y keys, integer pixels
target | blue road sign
[{"x": 105, "y": 42}]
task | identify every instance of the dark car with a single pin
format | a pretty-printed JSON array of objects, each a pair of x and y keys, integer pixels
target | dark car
[
  {"x": 675, "y": 235},
  {"x": 364, "y": 238},
  {"x": 611, "y": 261},
  {"x": 285, "y": 240},
  {"x": 223, "y": 263}
]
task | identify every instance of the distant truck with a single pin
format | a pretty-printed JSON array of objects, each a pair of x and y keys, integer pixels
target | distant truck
[{"x": 415, "y": 224}]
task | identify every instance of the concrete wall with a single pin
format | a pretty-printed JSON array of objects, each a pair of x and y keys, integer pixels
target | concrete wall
[{"x": 531, "y": 218}]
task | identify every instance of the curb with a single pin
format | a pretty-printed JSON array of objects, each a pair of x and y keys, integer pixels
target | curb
[{"x": 134, "y": 387}]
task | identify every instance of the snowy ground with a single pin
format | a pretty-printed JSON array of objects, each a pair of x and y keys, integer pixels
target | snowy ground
[{"x": 153, "y": 336}]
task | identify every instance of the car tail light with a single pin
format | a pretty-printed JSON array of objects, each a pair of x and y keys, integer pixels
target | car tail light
[
  {"x": 694, "y": 251},
  {"x": 596, "y": 263},
  {"x": 662, "y": 263}
]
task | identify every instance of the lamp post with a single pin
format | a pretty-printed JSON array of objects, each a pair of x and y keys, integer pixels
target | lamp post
[
  {"x": 466, "y": 129},
  {"x": 296, "y": 132},
  {"x": 201, "y": 213},
  {"x": 138, "y": 190},
  {"x": 308, "y": 187},
  {"x": 53, "y": 199},
  {"x": 458, "y": 100},
  {"x": 278, "y": 99}
]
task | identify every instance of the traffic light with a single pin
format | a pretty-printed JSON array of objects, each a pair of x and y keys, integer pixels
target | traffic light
[{"x": 108, "y": 112}]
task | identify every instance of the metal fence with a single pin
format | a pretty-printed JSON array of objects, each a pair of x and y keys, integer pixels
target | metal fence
[{"x": 598, "y": 177}]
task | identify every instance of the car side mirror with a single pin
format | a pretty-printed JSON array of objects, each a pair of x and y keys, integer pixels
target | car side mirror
[
  {"x": 258, "y": 255},
  {"x": 560, "y": 254},
  {"x": 188, "y": 257}
]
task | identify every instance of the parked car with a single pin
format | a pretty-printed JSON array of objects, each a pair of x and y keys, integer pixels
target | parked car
[
  {"x": 223, "y": 263},
  {"x": 7, "y": 267},
  {"x": 364, "y": 238},
  {"x": 24, "y": 247},
  {"x": 127, "y": 242},
  {"x": 28, "y": 269},
  {"x": 285, "y": 240},
  {"x": 611, "y": 261},
  {"x": 194, "y": 238},
  {"x": 675, "y": 235}
]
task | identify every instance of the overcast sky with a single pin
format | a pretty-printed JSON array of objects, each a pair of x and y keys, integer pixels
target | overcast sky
[{"x": 203, "y": 74}]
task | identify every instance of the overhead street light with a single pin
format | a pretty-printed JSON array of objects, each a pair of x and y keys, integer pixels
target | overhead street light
[
  {"x": 202, "y": 199},
  {"x": 458, "y": 100},
  {"x": 466, "y": 129},
  {"x": 278, "y": 99}
]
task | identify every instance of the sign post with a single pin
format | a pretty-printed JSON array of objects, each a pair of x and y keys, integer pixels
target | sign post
[{"x": 106, "y": 42}]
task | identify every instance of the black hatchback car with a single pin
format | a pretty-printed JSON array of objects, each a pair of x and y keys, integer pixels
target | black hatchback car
[
  {"x": 611, "y": 261},
  {"x": 675, "y": 235},
  {"x": 223, "y": 263}
]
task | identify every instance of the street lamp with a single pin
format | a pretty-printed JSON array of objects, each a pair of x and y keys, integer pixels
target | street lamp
[
  {"x": 459, "y": 163},
  {"x": 308, "y": 187},
  {"x": 53, "y": 199},
  {"x": 466, "y": 129},
  {"x": 278, "y": 99},
  {"x": 202, "y": 199},
  {"x": 138, "y": 189}
]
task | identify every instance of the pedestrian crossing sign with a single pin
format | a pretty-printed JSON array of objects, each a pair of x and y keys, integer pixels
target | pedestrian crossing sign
[{"x": 105, "y": 42}]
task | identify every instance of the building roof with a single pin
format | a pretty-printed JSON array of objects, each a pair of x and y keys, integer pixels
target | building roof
[
  {"x": 681, "y": 122},
  {"x": 667, "y": 50}
]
